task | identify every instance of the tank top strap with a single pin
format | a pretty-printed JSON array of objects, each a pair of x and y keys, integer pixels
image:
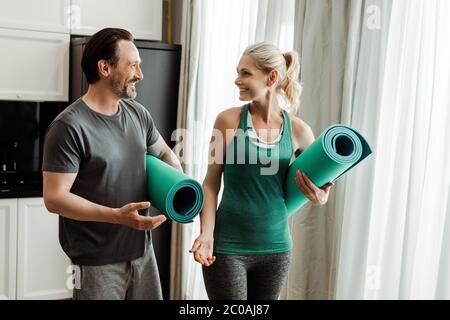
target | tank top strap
[
  {"x": 287, "y": 121},
  {"x": 287, "y": 132},
  {"x": 243, "y": 119}
]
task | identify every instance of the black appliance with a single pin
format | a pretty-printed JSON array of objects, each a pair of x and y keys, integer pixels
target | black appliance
[
  {"x": 20, "y": 150},
  {"x": 158, "y": 92},
  {"x": 22, "y": 131}
]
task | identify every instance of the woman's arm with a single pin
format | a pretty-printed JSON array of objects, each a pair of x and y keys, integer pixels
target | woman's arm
[
  {"x": 303, "y": 137},
  {"x": 204, "y": 244}
]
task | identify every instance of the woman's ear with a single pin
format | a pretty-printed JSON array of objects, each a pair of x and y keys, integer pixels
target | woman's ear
[{"x": 273, "y": 78}]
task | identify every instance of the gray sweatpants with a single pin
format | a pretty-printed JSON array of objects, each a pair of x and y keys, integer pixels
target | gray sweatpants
[
  {"x": 255, "y": 277},
  {"x": 131, "y": 280}
]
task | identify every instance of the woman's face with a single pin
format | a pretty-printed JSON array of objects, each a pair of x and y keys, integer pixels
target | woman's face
[{"x": 252, "y": 82}]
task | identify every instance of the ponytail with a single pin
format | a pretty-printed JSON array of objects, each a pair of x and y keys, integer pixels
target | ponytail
[{"x": 290, "y": 84}]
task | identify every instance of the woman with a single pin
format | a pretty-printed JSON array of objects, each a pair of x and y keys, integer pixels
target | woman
[{"x": 245, "y": 245}]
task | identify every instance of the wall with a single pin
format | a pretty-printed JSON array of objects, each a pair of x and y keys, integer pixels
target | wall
[{"x": 172, "y": 14}]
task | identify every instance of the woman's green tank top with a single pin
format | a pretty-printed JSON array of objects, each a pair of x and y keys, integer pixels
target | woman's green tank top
[{"x": 252, "y": 216}]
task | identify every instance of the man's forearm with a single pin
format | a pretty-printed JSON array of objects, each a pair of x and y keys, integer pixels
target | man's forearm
[
  {"x": 74, "y": 207},
  {"x": 170, "y": 158}
]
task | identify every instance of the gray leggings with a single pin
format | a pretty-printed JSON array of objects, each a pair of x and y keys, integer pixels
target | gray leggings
[{"x": 255, "y": 277}]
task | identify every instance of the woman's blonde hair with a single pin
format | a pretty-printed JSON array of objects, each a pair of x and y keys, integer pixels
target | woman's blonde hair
[{"x": 268, "y": 57}]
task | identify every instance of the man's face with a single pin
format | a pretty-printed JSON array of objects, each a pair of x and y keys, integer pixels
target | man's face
[{"x": 127, "y": 72}]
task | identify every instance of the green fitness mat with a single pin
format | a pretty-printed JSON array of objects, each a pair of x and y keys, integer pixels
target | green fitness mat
[
  {"x": 176, "y": 195},
  {"x": 338, "y": 149}
]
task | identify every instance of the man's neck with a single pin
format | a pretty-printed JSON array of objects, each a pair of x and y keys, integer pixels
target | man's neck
[{"x": 101, "y": 100}]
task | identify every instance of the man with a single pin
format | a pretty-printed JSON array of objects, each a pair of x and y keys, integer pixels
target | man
[{"x": 94, "y": 175}]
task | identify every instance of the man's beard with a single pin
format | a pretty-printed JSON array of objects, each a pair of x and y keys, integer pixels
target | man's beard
[{"x": 121, "y": 90}]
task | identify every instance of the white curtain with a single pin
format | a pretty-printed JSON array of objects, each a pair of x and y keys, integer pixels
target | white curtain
[
  {"x": 321, "y": 37},
  {"x": 219, "y": 33},
  {"x": 395, "y": 210}
]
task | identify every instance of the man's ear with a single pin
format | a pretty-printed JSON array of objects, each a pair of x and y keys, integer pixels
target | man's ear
[
  {"x": 104, "y": 69},
  {"x": 273, "y": 78}
]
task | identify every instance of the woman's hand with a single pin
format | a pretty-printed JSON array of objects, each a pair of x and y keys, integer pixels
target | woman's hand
[
  {"x": 203, "y": 249},
  {"x": 317, "y": 196}
]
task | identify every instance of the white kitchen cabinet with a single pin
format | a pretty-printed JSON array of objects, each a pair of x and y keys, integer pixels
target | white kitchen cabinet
[
  {"x": 8, "y": 248},
  {"x": 34, "y": 262},
  {"x": 37, "y": 15},
  {"x": 41, "y": 262},
  {"x": 34, "y": 65},
  {"x": 143, "y": 18}
]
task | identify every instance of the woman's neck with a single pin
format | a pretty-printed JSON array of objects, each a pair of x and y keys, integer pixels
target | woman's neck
[{"x": 267, "y": 110}]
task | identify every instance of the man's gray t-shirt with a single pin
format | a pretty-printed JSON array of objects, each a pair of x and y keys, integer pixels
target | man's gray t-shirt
[{"x": 108, "y": 155}]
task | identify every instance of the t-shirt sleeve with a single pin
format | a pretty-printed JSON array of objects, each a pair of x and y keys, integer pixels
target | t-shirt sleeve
[
  {"x": 152, "y": 132},
  {"x": 62, "y": 149}
]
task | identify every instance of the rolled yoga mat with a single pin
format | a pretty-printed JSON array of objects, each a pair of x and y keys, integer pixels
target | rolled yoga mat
[
  {"x": 338, "y": 149},
  {"x": 176, "y": 195}
]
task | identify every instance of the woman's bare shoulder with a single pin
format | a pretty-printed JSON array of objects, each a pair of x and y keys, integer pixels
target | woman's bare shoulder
[
  {"x": 302, "y": 132},
  {"x": 229, "y": 118}
]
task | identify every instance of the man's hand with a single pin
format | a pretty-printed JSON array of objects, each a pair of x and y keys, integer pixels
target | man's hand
[{"x": 128, "y": 215}]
